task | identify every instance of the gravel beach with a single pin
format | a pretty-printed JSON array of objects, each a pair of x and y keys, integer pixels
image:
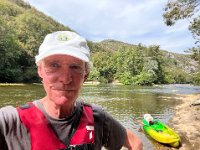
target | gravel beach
[{"x": 186, "y": 122}]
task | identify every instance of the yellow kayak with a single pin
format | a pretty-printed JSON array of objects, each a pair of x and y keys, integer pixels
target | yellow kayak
[{"x": 161, "y": 132}]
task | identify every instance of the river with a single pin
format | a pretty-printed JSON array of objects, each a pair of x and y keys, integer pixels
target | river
[{"x": 125, "y": 103}]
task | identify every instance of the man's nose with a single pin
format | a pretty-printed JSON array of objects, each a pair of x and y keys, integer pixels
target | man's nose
[{"x": 66, "y": 75}]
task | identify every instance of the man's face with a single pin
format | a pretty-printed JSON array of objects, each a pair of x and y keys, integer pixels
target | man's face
[{"x": 62, "y": 77}]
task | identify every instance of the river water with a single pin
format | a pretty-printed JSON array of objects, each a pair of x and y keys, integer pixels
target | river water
[{"x": 125, "y": 103}]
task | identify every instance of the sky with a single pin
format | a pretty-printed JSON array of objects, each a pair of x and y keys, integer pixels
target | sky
[{"x": 129, "y": 21}]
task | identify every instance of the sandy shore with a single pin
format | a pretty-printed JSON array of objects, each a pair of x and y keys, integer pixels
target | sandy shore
[{"x": 186, "y": 122}]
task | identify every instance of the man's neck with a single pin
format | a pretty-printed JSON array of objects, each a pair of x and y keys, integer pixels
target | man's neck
[{"x": 57, "y": 111}]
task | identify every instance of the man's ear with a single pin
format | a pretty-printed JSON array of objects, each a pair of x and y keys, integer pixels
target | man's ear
[
  {"x": 85, "y": 77},
  {"x": 39, "y": 70}
]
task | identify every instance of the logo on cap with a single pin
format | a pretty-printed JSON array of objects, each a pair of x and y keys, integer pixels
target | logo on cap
[{"x": 63, "y": 37}]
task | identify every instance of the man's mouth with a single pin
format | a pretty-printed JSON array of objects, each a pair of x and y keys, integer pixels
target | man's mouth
[{"x": 62, "y": 88}]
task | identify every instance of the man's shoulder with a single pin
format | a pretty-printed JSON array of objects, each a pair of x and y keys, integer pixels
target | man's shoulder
[
  {"x": 8, "y": 114},
  {"x": 95, "y": 107},
  {"x": 98, "y": 110},
  {"x": 8, "y": 110}
]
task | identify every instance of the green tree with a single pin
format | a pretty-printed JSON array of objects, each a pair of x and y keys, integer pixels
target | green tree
[
  {"x": 150, "y": 70},
  {"x": 181, "y": 9},
  {"x": 102, "y": 62},
  {"x": 10, "y": 70},
  {"x": 128, "y": 62},
  {"x": 197, "y": 78},
  {"x": 94, "y": 74},
  {"x": 9, "y": 10},
  {"x": 155, "y": 53}
]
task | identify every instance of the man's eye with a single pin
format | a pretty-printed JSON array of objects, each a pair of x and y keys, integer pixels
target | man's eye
[
  {"x": 76, "y": 68},
  {"x": 54, "y": 65}
]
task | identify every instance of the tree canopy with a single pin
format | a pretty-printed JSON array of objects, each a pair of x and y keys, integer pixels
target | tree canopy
[{"x": 181, "y": 9}]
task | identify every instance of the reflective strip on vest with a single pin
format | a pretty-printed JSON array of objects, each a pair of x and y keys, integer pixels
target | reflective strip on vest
[{"x": 43, "y": 137}]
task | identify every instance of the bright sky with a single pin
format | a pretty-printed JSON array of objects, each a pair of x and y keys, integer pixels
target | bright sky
[{"x": 129, "y": 21}]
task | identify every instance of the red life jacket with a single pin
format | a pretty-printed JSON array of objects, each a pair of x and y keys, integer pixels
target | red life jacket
[{"x": 43, "y": 137}]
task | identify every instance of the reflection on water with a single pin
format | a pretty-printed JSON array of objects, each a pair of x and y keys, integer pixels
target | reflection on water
[{"x": 126, "y": 103}]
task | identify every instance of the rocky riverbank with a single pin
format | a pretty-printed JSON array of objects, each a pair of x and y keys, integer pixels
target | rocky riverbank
[{"x": 186, "y": 122}]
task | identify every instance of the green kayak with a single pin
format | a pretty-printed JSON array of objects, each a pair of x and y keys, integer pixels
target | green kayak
[{"x": 161, "y": 132}]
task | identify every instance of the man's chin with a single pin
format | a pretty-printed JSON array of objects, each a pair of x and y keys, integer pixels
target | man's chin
[{"x": 62, "y": 101}]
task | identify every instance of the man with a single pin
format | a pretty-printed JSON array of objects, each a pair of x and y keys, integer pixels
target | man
[{"x": 58, "y": 121}]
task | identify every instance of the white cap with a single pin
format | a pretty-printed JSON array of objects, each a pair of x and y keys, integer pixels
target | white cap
[{"x": 66, "y": 43}]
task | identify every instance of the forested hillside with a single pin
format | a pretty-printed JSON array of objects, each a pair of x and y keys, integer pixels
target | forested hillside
[
  {"x": 22, "y": 29},
  {"x": 139, "y": 64}
]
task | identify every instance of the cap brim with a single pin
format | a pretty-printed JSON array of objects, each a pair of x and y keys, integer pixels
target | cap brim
[{"x": 68, "y": 51}]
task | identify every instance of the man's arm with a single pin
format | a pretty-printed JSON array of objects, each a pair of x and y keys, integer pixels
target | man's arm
[{"x": 132, "y": 142}]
